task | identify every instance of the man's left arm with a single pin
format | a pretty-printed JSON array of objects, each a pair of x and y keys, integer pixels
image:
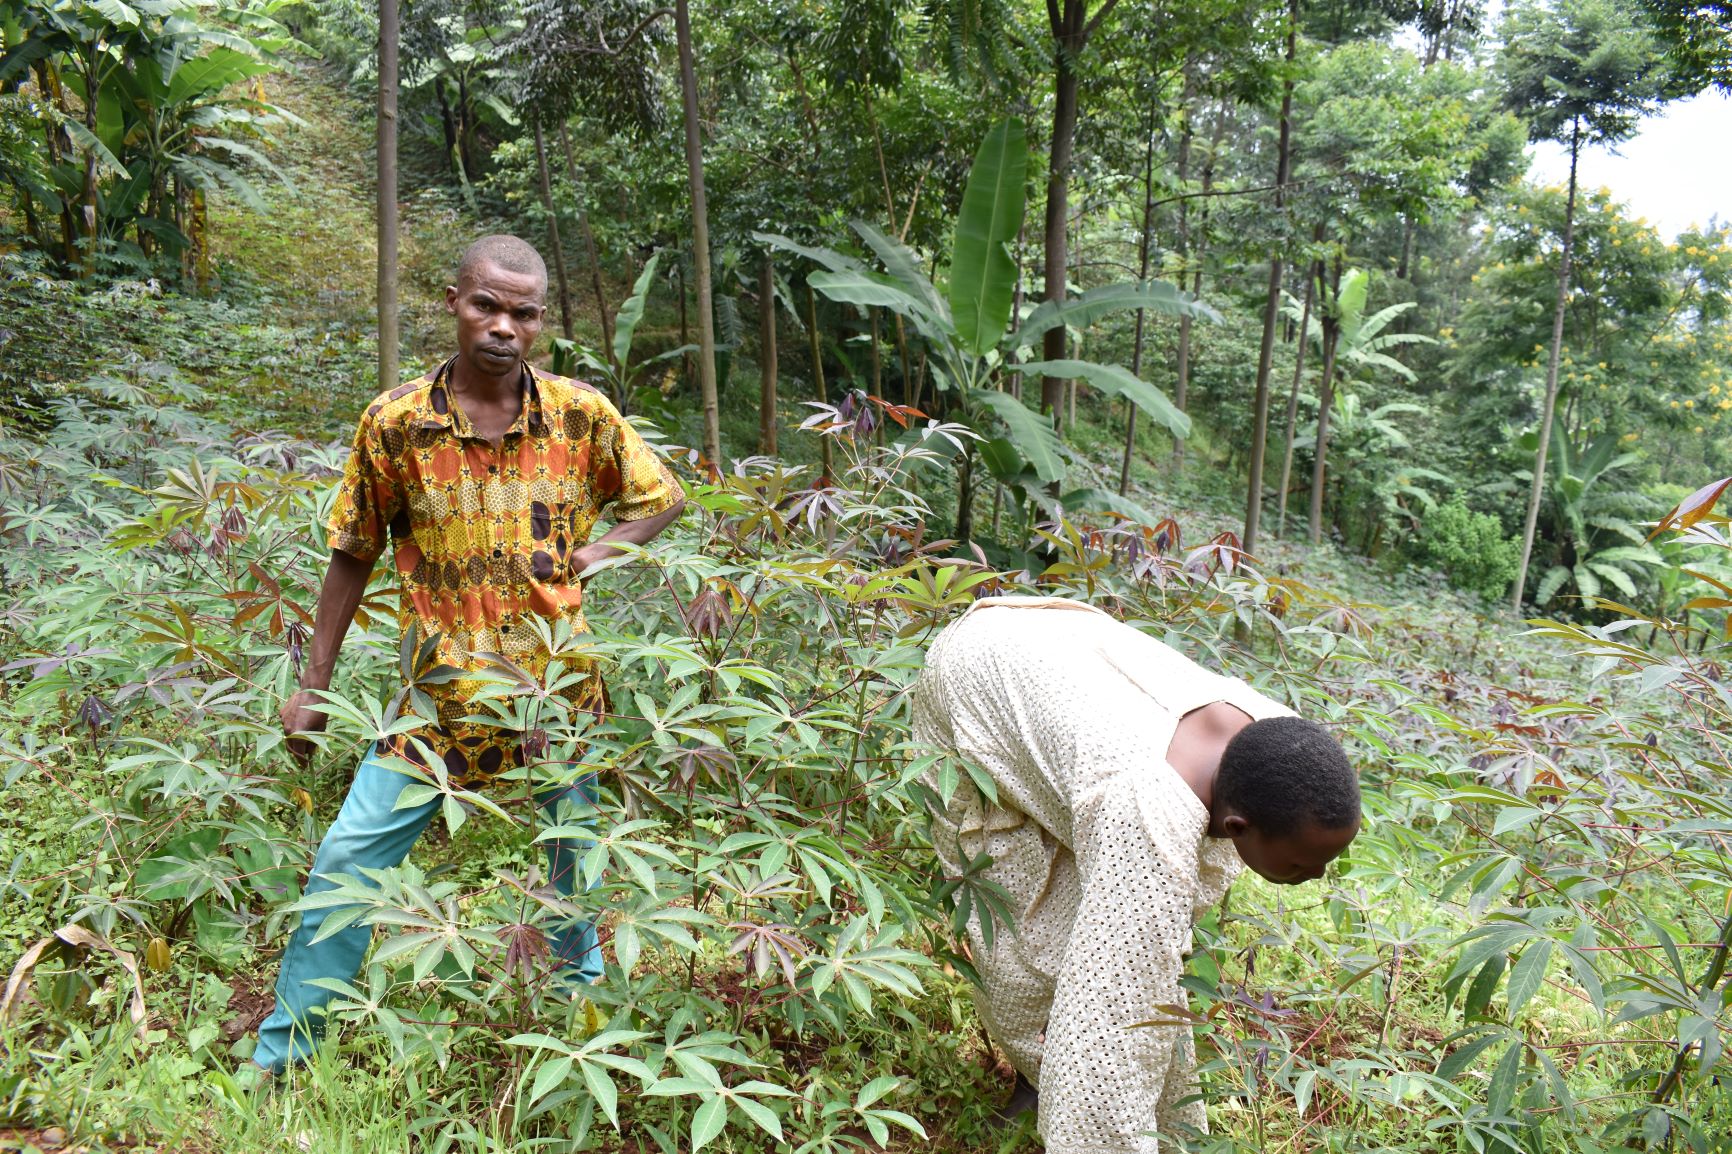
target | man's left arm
[
  {"x": 640, "y": 532},
  {"x": 643, "y": 495}
]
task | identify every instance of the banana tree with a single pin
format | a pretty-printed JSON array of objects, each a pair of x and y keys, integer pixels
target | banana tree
[
  {"x": 159, "y": 85},
  {"x": 1346, "y": 337},
  {"x": 1377, "y": 483},
  {"x": 1589, "y": 523},
  {"x": 620, "y": 376},
  {"x": 184, "y": 118},
  {"x": 970, "y": 347}
]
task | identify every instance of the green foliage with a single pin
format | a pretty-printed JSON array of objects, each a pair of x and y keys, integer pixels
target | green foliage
[
  {"x": 1588, "y": 520},
  {"x": 1026, "y": 454},
  {"x": 1470, "y": 548},
  {"x": 1579, "y": 71},
  {"x": 159, "y": 122},
  {"x": 1525, "y": 948}
]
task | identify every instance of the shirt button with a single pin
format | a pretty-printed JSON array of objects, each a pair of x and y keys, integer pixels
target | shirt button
[{"x": 499, "y": 552}]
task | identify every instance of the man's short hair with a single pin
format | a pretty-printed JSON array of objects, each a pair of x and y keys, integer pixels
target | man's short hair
[
  {"x": 508, "y": 253},
  {"x": 1283, "y": 773}
]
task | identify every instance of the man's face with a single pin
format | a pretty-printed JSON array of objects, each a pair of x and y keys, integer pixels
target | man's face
[
  {"x": 499, "y": 315},
  {"x": 1289, "y": 859}
]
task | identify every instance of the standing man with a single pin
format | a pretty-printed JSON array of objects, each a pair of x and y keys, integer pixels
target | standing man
[
  {"x": 488, "y": 477},
  {"x": 1132, "y": 786}
]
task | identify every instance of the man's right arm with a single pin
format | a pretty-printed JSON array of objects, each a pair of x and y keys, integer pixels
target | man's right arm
[{"x": 339, "y": 597}]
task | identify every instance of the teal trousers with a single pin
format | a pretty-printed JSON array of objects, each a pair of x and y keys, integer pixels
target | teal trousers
[{"x": 371, "y": 833}]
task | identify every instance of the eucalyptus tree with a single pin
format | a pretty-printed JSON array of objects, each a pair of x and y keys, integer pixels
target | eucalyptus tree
[
  {"x": 1272, "y": 303},
  {"x": 1195, "y": 60},
  {"x": 1582, "y": 72}
]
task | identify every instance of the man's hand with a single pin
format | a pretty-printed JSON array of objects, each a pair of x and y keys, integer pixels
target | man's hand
[
  {"x": 585, "y": 561},
  {"x": 299, "y": 716},
  {"x": 345, "y": 583}
]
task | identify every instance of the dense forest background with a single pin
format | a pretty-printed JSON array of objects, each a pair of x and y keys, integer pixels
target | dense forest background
[{"x": 1241, "y": 318}]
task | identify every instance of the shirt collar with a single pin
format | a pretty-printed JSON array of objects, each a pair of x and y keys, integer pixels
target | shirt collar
[{"x": 444, "y": 412}]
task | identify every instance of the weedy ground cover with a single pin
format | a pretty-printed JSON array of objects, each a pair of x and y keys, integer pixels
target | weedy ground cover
[{"x": 1525, "y": 950}]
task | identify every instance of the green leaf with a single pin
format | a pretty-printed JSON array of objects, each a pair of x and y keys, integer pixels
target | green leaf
[
  {"x": 550, "y": 1075},
  {"x": 1462, "y": 1057},
  {"x": 1350, "y": 304},
  {"x": 1030, "y": 432},
  {"x": 708, "y": 1121},
  {"x": 866, "y": 290},
  {"x": 828, "y": 257},
  {"x": 903, "y": 265},
  {"x": 1105, "y": 501},
  {"x": 88, "y": 141},
  {"x": 631, "y": 312},
  {"x": 982, "y": 271},
  {"x": 1500, "y": 1095},
  {"x": 1081, "y": 311},
  {"x": 601, "y": 1086},
  {"x": 874, "y": 1090},
  {"x": 1116, "y": 381},
  {"x": 762, "y": 1115},
  {"x": 1527, "y": 975}
]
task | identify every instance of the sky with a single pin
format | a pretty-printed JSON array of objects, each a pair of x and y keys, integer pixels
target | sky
[{"x": 1677, "y": 171}]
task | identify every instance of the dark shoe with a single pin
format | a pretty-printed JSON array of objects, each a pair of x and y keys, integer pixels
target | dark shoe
[{"x": 1024, "y": 1102}]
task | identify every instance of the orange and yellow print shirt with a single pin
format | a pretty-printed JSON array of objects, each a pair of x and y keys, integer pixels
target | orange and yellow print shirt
[{"x": 483, "y": 535}]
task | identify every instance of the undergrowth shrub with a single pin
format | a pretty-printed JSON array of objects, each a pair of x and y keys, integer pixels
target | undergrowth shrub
[
  {"x": 759, "y": 868},
  {"x": 1525, "y": 949},
  {"x": 1470, "y": 548}
]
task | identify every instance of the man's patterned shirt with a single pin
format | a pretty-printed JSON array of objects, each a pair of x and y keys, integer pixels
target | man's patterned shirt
[{"x": 482, "y": 535}]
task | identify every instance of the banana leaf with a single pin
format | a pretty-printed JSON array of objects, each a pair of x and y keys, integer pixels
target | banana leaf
[
  {"x": 1118, "y": 382},
  {"x": 1031, "y": 433},
  {"x": 982, "y": 271},
  {"x": 1081, "y": 311}
]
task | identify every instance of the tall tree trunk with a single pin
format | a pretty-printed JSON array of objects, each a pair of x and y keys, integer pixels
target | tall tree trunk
[
  {"x": 767, "y": 356},
  {"x": 589, "y": 250},
  {"x": 816, "y": 344},
  {"x": 1016, "y": 309},
  {"x": 449, "y": 123},
  {"x": 1293, "y": 398},
  {"x": 700, "y": 239},
  {"x": 1272, "y": 307},
  {"x": 387, "y": 204},
  {"x": 59, "y": 145},
  {"x": 1068, "y": 20},
  {"x": 1550, "y": 407},
  {"x": 87, "y": 206},
  {"x": 877, "y": 354},
  {"x": 685, "y": 322},
  {"x": 563, "y": 285},
  {"x": 965, "y": 498},
  {"x": 1325, "y": 398},
  {"x": 1142, "y": 278},
  {"x": 465, "y": 130}
]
